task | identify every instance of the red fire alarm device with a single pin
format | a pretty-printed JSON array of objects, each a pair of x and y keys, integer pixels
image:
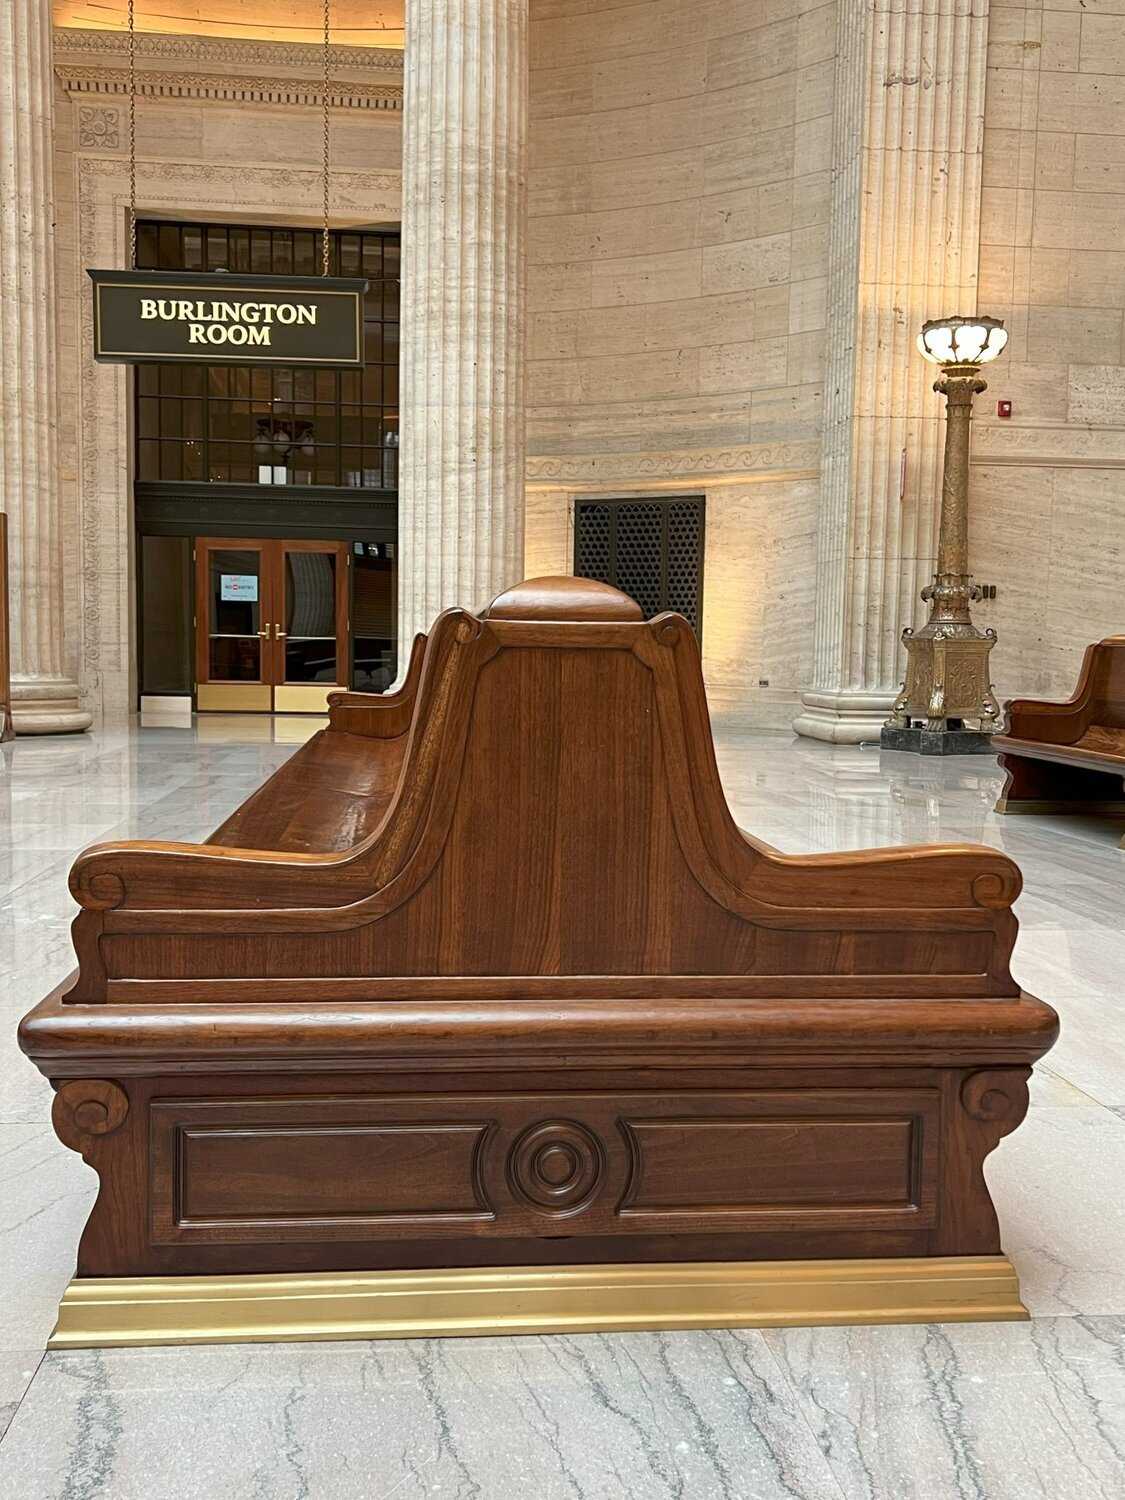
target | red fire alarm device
[{"x": 1003, "y": 408}]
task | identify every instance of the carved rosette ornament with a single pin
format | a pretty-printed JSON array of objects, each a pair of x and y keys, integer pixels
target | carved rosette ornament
[{"x": 556, "y": 1167}]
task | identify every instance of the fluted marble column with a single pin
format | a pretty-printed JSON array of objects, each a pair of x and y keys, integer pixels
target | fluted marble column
[
  {"x": 44, "y": 697},
  {"x": 904, "y": 247},
  {"x": 461, "y": 478}
]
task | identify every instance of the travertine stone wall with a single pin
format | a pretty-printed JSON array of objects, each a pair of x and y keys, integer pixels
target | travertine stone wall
[
  {"x": 679, "y": 191},
  {"x": 207, "y": 148},
  {"x": 1047, "y": 519}
]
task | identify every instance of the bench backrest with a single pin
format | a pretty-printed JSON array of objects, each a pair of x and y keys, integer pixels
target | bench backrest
[
  {"x": 557, "y": 829},
  {"x": 560, "y": 813}
]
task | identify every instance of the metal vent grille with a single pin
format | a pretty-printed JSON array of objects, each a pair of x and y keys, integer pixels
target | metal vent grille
[
  {"x": 592, "y": 543},
  {"x": 651, "y": 549}
]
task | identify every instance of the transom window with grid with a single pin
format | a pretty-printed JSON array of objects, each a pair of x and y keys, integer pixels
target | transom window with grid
[
  {"x": 228, "y": 424},
  {"x": 651, "y": 549}
]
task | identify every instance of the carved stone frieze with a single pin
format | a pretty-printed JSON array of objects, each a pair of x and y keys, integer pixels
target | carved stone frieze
[
  {"x": 766, "y": 461},
  {"x": 304, "y": 92},
  {"x": 170, "y": 182},
  {"x": 71, "y": 43}
]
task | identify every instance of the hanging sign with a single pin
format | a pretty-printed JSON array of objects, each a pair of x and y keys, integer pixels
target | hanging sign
[{"x": 215, "y": 316}]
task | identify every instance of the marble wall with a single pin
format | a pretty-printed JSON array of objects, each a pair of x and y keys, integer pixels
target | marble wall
[
  {"x": 678, "y": 210},
  {"x": 1048, "y": 502}
]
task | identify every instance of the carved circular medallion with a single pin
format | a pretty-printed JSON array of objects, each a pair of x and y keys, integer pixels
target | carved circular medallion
[{"x": 556, "y": 1166}]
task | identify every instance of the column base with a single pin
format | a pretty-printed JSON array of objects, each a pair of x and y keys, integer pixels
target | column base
[
  {"x": 47, "y": 705},
  {"x": 843, "y": 718},
  {"x": 923, "y": 741},
  {"x": 106, "y": 1312}
]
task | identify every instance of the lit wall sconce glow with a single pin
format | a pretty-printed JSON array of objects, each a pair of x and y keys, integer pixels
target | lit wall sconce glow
[{"x": 962, "y": 341}]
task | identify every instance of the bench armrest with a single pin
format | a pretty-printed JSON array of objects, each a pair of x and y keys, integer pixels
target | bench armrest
[
  {"x": 1057, "y": 723},
  {"x": 380, "y": 716}
]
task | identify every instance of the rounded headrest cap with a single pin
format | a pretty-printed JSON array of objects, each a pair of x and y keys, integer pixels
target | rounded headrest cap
[{"x": 563, "y": 598}]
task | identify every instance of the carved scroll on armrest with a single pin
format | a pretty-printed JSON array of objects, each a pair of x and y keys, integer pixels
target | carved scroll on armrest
[
  {"x": 154, "y": 891},
  {"x": 150, "y": 876},
  {"x": 941, "y": 878},
  {"x": 380, "y": 716},
  {"x": 939, "y": 909}
]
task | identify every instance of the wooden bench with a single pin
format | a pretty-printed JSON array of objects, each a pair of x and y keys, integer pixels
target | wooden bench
[
  {"x": 547, "y": 1042},
  {"x": 1070, "y": 757}
]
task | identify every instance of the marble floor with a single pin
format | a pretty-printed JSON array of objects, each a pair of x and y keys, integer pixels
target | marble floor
[{"x": 972, "y": 1412}]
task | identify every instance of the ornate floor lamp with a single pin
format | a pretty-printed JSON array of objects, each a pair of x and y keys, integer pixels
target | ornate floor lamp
[{"x": 947, "y": 682}]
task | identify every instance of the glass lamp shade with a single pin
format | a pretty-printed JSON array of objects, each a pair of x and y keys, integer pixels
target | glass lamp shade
[{"x": 962, "y": 341}]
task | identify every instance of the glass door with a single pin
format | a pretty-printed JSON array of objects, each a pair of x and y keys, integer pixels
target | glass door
[
  {"x": 233, "y": 607},
  {"x": 311, "y": 626}
]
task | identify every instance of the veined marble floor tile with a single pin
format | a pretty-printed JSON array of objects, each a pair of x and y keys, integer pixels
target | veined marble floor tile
[
  {"x": 939, "y": 1411},
  {"x": 17, "y": 1368},
  {"x": 25, "y": 1095},
  {"x": 34, "y": 835},
  {"x": 625, "y": 1417},
  {"x": 46, "y": 1193},
  {"x": 1074, "y": 960},
  {"x": 20, "y": 867},
  {"x": 1057, "y": 1185},
  {"x": 1090, "y": 1051},
  {"x": 1005, "y": 1411},
  {"x": 31, "y": 942},
  {"x": 1049, "y": 1090}
]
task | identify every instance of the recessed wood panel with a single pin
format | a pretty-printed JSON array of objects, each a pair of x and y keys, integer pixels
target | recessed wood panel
[
  {"x": 290, "y": 1169},
  {"x": 375, "y": 1171},
  {"x": 255, "y": 1170},
  {"x": 739, "y": 1165}
]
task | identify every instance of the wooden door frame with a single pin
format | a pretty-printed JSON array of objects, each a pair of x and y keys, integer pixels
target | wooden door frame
[{"x": 271, "y": 607}]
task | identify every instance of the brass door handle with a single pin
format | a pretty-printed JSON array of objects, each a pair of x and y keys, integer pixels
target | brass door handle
[
  {"x": 279, "y": 633},
  {"x": 265, "y": 633}
]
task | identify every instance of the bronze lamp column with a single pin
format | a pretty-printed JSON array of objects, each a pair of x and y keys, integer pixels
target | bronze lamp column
[{"x": 947, "y": 678}]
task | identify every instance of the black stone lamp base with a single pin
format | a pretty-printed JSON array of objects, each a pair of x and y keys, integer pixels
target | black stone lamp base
[{"x": 923, "y": 741}]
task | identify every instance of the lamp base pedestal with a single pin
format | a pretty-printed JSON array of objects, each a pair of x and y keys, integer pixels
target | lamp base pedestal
[
  {"x": 923, "y": 741},
  {"x": 947, "y": 679}
]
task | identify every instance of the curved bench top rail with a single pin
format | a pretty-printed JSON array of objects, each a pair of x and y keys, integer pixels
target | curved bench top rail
[
  {"x": 1096, "y": 705},
  {"x": 558, "y": 817}
]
